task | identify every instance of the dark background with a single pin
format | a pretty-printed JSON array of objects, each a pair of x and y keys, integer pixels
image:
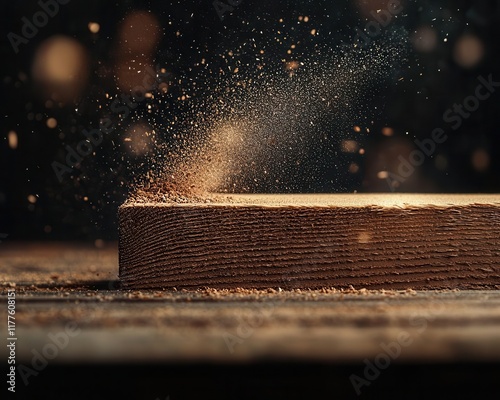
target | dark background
[{"x": 436, "y": 74}]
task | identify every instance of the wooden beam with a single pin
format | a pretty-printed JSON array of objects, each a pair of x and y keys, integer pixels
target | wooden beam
[{"x": 382, "y": 241}]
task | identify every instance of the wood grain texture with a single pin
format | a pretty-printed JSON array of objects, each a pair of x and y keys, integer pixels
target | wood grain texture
[
  {"x": 313, "y": 241},
  {"x": 58, "y": 283}
]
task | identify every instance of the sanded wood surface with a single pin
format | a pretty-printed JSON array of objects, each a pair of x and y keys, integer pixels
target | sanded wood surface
[
  {"x": 383, "y": 241},
  {"x": 59, "y": 283}
]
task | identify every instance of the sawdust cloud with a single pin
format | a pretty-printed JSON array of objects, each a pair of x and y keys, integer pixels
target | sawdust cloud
[{"x": 257, "y": 127}]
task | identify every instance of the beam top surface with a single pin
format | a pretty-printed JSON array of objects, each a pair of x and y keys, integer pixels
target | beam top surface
[{"x": 350, "y": 200}]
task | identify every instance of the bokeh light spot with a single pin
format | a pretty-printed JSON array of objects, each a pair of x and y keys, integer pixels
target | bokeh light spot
[
  {"x": 480, "y": 160},
  {"x": 468, "y": 51},
  {"x": 12, "y": 139},
  {"x": 51, "y": 123},
  {"x": 61, "y": 67},
  {"x": 94, "y": 27},
  {"x": 387, "y": 131}
]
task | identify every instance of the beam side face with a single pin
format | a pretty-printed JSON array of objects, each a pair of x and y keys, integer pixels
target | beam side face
[{"x": 193, "y": 246}]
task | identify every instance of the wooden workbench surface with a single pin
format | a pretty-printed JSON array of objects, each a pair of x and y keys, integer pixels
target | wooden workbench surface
[{"x": 59, "y": 283}]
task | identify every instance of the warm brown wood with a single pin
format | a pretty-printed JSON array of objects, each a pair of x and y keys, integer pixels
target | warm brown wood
[
  {"x": 57, "y": 283},
  {"x": 388, "y": 241}
]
